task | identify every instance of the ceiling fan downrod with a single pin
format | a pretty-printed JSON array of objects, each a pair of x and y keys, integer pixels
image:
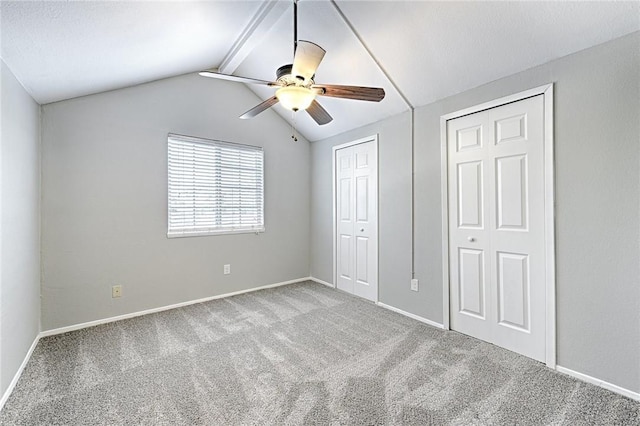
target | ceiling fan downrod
[{"x": 295, "y": 26}]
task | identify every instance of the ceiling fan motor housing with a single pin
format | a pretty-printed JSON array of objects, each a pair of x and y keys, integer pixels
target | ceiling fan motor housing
[
  {"x": 283, "y": 71},
  {"x": 284, "y": 74}
]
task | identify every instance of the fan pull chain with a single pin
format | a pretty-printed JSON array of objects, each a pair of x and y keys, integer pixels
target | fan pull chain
[{"x": 293, "y": 126}]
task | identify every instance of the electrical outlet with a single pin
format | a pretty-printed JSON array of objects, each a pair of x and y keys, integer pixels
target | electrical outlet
[
  {"x": 414, "y": 284},
  {"x": 227, "y": 269},
  {"x": 116, "y": 291}
]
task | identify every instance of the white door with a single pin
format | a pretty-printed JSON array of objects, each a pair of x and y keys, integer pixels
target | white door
[
  {"x": 356, "y": 201},
  {"x": 496, "y": 226}
]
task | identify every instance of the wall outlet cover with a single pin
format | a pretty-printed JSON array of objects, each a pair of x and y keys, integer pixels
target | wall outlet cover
[
  {"x": 414, "y": 284},
  {"x": 116, "y": 291}
]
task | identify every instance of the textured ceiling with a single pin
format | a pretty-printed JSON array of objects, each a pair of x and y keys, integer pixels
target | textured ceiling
[
  {"x": 431, "y": 50},
  {"x": 437, "y": 49},
  {"x": 60, "y": 50}
]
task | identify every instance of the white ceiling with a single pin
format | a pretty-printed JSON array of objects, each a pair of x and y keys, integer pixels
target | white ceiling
[
  {"x": 430, "y": 50},
  {"x": 60, "y": 50}
]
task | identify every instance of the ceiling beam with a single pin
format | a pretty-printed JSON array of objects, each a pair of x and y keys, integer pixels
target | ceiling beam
[
  {"x": 261, "y": 23},
  {"x": 370, "y": 53}
]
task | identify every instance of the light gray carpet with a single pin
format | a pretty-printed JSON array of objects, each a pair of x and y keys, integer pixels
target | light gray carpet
[{"x": 299, "y": 354}]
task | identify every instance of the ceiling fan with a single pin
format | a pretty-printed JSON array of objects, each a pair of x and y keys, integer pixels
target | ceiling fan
[{"x": 297, "y": 89}]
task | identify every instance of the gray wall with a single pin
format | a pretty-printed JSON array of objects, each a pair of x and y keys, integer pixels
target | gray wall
[
  {"x": 104, "y": 206},
  {"x": 597, "y": 137},
  {"x": 394, "y": 212},
  {"x": 19, "y": 225}
]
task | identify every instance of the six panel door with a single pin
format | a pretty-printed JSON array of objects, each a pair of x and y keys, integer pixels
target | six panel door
[
  {"x": 496, "y": 226},
  {"x": 356, "y": 216}
]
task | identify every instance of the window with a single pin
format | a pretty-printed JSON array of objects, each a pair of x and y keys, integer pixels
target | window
[{"x": 214, "y": 187}]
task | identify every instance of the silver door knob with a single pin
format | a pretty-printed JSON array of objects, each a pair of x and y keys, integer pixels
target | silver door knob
[
  {"x": 361, "y": 229},
  {"x": 471, "y": 239}
]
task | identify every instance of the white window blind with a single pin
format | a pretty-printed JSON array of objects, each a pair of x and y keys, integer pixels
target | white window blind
[{"x": 214, "y": 187}]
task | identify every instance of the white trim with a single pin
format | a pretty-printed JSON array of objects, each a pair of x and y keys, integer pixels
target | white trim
[
  {"x": 262, "y": 22},
  {"x": 75, "y": 327},
  {"x": 334, "y": 220},
  {"x": 410, "y": 315},
  {"x": 549, "y": 208},
  {"x": 549, "y": 232},
  {"x": 319, "y": 281},
  {"x": 444, "y": 200},
  {"x": 372, "y": 138},
  {"x": 580, "y": 376},
  {"x": 16, "y": 377},
  {"x": 175, "y": 234},
  {"x": 601, "y": 383},
  {"x": 334, "y": 260},
  {"x": 66, "y": 329},
  {"x": 499, "y": 102}
]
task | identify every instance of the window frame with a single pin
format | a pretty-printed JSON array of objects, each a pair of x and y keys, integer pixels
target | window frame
[{"x": 213, "y": 231}]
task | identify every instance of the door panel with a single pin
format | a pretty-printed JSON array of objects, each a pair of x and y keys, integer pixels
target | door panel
[
  {"x": 516, "y": 133},
  {"x": 471, "y": 282},
  {"x": 362, "y": 159},
  {"x": 468, "y": 139},
  {"x": 511, "y": 192},
  {"x": 469, "y": 238},
  {"x": 514, "y": 302},
  {"x": 511, "y": 129},
  {"x": 345, "y": 197},
  {"x": 362, "y": 198},
  {"x": 362, "y": 260},
  {"x": 345, "y": 220},
  {"x": 496, "y": 226},
  {"x": 345, "y": 256},
  {"x": 470, "y": 195},
  {"x": 358, "y": 206}
]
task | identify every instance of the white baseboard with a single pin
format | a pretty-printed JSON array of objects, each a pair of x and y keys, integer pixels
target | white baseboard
[
  {"x": 410, "y": 315},
  {"x": 16, "y": 377},
  {"x": 606, "y": 385},
  {"x": 584, "y": 377},
  {"x": 580, "y": 376},
  {"x": 61, "y": 330},
  {"x": 319, "y": 281}
]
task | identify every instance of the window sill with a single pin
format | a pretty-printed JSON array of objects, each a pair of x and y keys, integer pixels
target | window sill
[{"x": 213, "y": 233}]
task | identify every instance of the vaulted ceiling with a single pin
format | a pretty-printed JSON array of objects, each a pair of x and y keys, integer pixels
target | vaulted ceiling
[{"x": 418, "y": 51}]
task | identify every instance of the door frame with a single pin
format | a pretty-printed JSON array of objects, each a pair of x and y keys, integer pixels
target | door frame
[
  {"x": 374, "y": 139},
  {"x": 549, "y": 204}
]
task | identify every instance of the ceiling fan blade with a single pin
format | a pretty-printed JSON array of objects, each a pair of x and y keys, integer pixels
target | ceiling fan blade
[
  {"x": 259, "y": 108},
  {"x": 307, "y": 59},
  {"x": 373, "y": 94},
  {"x": 221, "y": 76},
  {"x": 319, "y": 114}
]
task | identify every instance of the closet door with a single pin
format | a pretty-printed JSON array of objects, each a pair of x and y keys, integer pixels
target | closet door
[
  {"x": 496, "y": 226},
  {"x": 357, "y": 220}
]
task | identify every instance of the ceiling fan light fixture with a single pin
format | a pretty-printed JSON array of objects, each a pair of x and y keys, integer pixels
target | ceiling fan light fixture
[
  {"x": 295, "y": 98},
  {"x": 297, "y": 89}
]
